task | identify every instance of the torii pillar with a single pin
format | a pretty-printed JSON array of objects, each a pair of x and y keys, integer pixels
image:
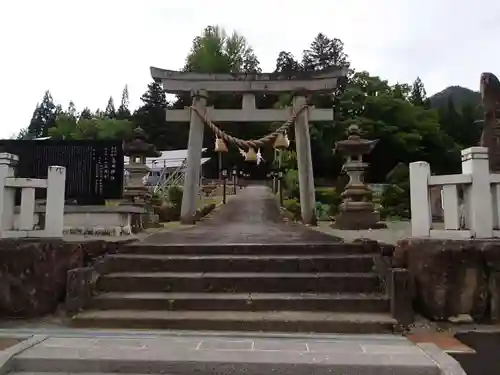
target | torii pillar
[
  {"x": 195, "y": 146},
  {"x": 304, "y": 162}
]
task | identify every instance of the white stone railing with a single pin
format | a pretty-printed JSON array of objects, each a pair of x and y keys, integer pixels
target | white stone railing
[
  {"x": 476, "y": 215},
  {"x": 24, "y": 226}
]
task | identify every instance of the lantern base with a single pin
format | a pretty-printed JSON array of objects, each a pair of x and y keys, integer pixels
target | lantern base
[{"x": 358, "y": 220}]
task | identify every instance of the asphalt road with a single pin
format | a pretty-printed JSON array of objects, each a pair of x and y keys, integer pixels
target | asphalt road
[{"x": 486, "y": 361}]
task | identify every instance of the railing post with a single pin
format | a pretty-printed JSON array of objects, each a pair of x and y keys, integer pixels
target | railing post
[
  {"x": 478, "y": 199},
  {"x": 27, "y": 211},
  {"x": 7, "y": 196},
  {"x": 56, "y": 189},
  {"x": 421, "y": 218}
]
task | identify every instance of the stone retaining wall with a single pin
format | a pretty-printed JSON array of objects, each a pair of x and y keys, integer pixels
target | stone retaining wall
[
  {"x": 453, "y": 277},
  {"x": 33, "y": 272}
]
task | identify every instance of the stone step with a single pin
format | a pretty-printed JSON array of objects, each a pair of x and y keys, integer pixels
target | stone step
[
  {"x": 242, "y": 302},
  {"x": 257, "y": 249},
  {"x": 238, "y": 263},
  {"x": 239, "y": 282},
  {"x": 270, "y": 321}
]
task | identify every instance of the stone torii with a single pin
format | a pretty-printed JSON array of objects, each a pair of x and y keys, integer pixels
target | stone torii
[{"x": 199, "y": 85}]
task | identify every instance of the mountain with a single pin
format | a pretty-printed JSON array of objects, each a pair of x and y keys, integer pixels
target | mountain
[{"x": 459, "y": 95}]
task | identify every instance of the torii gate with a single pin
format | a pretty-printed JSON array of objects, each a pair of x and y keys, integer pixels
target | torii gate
[{"x": 200, "y": 84}]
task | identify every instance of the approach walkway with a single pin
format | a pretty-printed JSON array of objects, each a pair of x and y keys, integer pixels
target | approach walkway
[
  {"x": 251, "y": 216},
  {"x": 143, "y": 353}
]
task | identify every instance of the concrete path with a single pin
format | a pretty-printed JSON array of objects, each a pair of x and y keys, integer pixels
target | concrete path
[
  {"x": 251, "y": 216},
  {"x": 189, "y": 354}
]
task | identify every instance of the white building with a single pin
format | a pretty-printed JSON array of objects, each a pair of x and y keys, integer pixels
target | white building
[{"x": 169, "y": 166}]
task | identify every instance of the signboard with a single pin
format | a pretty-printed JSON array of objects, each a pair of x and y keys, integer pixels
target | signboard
[{"x": 94, "y": 169}]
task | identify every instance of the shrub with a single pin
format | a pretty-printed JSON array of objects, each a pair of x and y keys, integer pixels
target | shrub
[
  {"x": 330, "y": 197},
  {"x": 174, "y": 195},
  {"x": 293, "y": 206},
  {"x": 168, "y": 212},
  {"x": 292, "y": 183},
  {"x": 169, "y": 209},
  {"x": 395, "y": 202},
  {"x": 323, "y": 211}
]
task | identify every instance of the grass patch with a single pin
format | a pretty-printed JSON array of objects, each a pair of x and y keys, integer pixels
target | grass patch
[{"x": 208, "y": 200}]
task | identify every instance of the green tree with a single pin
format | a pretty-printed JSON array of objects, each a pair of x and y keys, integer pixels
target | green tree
[
  {"x": 110, "y": 110},
  {"x": 406, "y": 132},
  {"x": 460, "y": 123},
  {"x": 325, "y": 53},
  {"x": 86, "y": 114},
  {"x": 22, "y": 134},
  {"x": 401, "y": 91},
  {"x": 71, "y": 111},
  {"x": 123, "y": 112},
  {"x": 43, "y": 117},
  {"x": 68, "y": 127},
  {"x": 287, "y": 65},
  {"x": 216, "y": 52},
  {"x": 418, "y": 95},
  {"x": 151, "y": 117}
]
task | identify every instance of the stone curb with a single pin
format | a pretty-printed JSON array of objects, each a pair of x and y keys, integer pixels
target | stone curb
[
  {"x": 7, "y": 355},
  {"x": 72, "y": 332},
  {"x": 447, "y": 364}
]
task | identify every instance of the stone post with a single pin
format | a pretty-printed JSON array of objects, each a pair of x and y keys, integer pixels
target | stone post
[
  {"x": 56, "y": 189},
  {"x": 192, "y": 174},
  {"x": 304, "y": 163},
  {"x": 478, "y": 198},
  {"x": 421, "y": 215},
  {"x": 7, "y": 196},
  {"x": 26, "y": 213}
]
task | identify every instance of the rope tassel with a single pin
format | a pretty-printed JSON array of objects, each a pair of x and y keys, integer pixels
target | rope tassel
[{"x": 251, "y": 155}]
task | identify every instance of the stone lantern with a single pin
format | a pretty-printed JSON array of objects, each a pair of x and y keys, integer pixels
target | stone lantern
[
  {"x": 138, "y": 149},
  {"x": 357, "y": 210}
]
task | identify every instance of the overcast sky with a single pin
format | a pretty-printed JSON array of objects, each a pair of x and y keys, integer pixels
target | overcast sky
[{"x": 87, "y": 50}]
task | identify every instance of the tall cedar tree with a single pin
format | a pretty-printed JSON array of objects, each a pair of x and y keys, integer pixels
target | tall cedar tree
[
  {"x": 123, "y": 112},
  {"x": 151, "y": 118},
  {"x": 86, "y": 114},
  {"x": 110, "y": 110},
  {"x": 418, "y": 95},
  {"x": 44, "y": 117}
]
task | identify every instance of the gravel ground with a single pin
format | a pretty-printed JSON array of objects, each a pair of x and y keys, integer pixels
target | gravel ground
[{"x": 395, "y": 231}]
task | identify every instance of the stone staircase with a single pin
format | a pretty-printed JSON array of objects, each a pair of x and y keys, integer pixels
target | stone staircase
[{"x": 329, "y": 288}]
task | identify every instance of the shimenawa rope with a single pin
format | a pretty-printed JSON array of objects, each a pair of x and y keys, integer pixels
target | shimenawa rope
[{"x": 252, "y": 143}]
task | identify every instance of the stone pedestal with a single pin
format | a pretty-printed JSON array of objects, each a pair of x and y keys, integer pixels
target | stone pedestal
[
  {"x": 135, "y": 190},
  {"x": 358, "y": 220}
]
